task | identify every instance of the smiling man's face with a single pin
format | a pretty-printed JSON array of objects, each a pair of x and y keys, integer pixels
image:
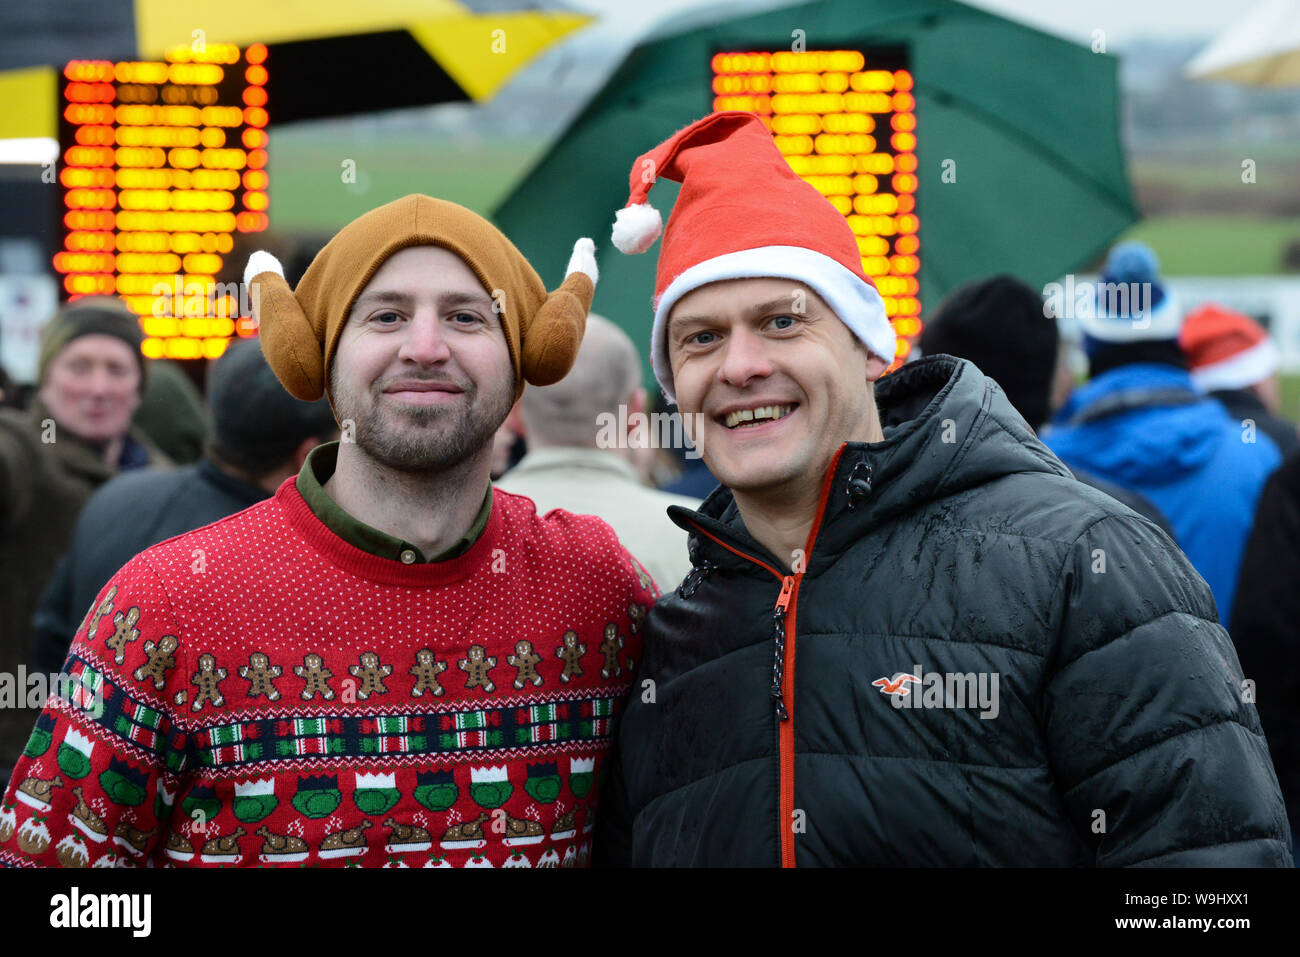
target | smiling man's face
[
  {"x": 779, "y": 390},
  {"x": 422, "y": 368}
]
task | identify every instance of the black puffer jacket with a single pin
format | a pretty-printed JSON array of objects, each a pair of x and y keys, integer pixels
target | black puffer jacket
[
  {"x": 1266, "y": 623},
  {"x": 1117, "y": 734}
]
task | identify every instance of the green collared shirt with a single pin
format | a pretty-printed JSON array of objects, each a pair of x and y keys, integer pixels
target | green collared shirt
[{"x": 316, "y": 471}]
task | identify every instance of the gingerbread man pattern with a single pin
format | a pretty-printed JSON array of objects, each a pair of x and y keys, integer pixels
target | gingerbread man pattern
[
  {"x": 372, "y": 674},
  {"x": 426, "y": 670},
  {"x": 638, "y": 615},
  {"x": 571, "y": 651},
  {"x": 124, "y": 631},
  {"x": 477, "y": 666},
  {"x": 261, "y": 675},
  {"x": 643, "y": 576},
  {"x": 525, "y": 660},
  {"x": 161, "y": 659},
  {"x": 315, "y": 677},
  {"x": 610, "y": 648},
  {"x": 207, "y": 679},
  {"x": 94, "y": 613}
]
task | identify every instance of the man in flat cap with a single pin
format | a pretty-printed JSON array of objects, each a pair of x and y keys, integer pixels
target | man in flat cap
[{"x": 74, "y": 437}]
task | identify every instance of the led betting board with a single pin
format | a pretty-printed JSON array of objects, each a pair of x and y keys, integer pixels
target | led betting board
[
  {"x": 161, "y": 164},
  {"x": 846, "y": 122}
]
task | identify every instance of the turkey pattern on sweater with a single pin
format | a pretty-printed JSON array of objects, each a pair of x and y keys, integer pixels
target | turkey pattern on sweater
[{"x": 259, "y": 691}]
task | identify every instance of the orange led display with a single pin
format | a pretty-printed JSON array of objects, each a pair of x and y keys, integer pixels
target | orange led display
[
  {"x": 845, "y": 121},
  {"x": 161, "y": 164}
]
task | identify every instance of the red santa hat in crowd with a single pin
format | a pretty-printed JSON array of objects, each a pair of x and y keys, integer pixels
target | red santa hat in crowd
[
  {"x": 743, "y": 213},
  {"x": 1227, "y": 350}
]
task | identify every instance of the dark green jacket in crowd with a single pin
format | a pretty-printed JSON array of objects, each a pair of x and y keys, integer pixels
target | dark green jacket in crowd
[
  {"x": 957, "y": 547},
  {"x": 43, "y": 486}
]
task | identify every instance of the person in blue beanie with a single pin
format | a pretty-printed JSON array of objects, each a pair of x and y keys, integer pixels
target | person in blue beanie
[{"x": 1140, "y": 423}]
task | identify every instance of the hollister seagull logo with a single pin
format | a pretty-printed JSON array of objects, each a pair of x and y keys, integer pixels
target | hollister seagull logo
[
  {"x": 897, "y": 685},
  {"x": 943, "y": 689}
]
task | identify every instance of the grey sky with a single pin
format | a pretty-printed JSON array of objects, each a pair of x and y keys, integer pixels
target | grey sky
[{"x": 1123, "y": 20}]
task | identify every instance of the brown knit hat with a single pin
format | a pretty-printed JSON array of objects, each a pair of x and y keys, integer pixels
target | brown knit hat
[{"x": 300, "y": 328}]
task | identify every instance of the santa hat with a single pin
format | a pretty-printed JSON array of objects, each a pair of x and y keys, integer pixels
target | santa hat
[
  {"x": 743, "y": 213},
  {"x": 1227, "y": 350},
  {"x": 300, "y": 328}
]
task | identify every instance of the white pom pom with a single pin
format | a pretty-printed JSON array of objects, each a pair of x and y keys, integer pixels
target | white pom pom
[
  {"x": 583, "y": 260},
  {"x": 260, "y": 262},
  {"x": 637, "y": 227}
]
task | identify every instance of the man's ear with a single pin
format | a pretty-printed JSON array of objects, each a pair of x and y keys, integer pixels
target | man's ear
[{"x": 876, "y": 367}]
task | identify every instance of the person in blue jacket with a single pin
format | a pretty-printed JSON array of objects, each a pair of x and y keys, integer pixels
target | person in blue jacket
[{"x": 1140, "y": 423}]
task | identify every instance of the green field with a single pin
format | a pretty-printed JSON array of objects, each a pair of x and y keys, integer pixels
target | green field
[
  {"x": 1291, "y": 397},
  {"x": 309, "y": 193},
  {"x": 1207, "y": 245}
]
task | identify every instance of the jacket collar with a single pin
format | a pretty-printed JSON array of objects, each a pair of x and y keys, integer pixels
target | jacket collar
[
  {"x": 1242, "y": 403},
  {"x": 75, "y": 456},
  {"x": 86, "y": 461},
  {"x": 227, "y": 484},
  {"x": 1127, "y": 387},
  {"x": 947, "y": 428}
]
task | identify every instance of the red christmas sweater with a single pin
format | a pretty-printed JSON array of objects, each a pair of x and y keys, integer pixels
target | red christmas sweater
[{"x": 261, "y": 692}]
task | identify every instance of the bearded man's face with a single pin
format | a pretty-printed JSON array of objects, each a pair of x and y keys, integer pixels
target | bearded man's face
[{"x": 422, "y": 370}]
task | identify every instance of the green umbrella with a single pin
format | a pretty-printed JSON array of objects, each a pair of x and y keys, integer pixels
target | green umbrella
[{"x": 1021, "y": 169}]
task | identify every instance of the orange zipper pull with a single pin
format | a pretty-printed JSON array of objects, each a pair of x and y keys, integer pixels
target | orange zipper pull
[
  {"x": 787, "y": 589},
  {"x": 778, "y": 657}
]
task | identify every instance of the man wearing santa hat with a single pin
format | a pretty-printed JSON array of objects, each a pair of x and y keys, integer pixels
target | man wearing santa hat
[
  {"x": 1232, "y": 359},
  {"x": 909, "y": 637}
]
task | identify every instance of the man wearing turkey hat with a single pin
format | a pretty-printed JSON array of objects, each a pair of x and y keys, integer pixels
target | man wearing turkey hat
[
  {"x": 388, "y": 661},
  {"x": 909, "y": 637}
]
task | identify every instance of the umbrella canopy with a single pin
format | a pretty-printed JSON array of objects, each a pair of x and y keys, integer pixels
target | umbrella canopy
[
  {"x": 1020, "y": 164},
  {"x": 1262, "y": 49},
  {"x": 329, "y": 57}
]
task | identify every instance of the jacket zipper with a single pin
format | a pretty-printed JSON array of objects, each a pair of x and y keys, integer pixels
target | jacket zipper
[
  {"x": 783, "y": 664},
  {"x": 778, "y": 659}
]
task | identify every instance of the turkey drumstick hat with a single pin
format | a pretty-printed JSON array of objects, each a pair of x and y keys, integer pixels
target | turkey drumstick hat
[
  {"x": 743, "y": 213},
  {"x": 300, "y": 328}
]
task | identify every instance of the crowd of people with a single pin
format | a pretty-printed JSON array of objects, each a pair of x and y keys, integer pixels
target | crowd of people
[{"x": 390, "y": 596}]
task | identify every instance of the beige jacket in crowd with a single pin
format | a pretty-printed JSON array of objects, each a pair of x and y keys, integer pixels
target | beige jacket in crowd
[{"x": 598, "y": 482}]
